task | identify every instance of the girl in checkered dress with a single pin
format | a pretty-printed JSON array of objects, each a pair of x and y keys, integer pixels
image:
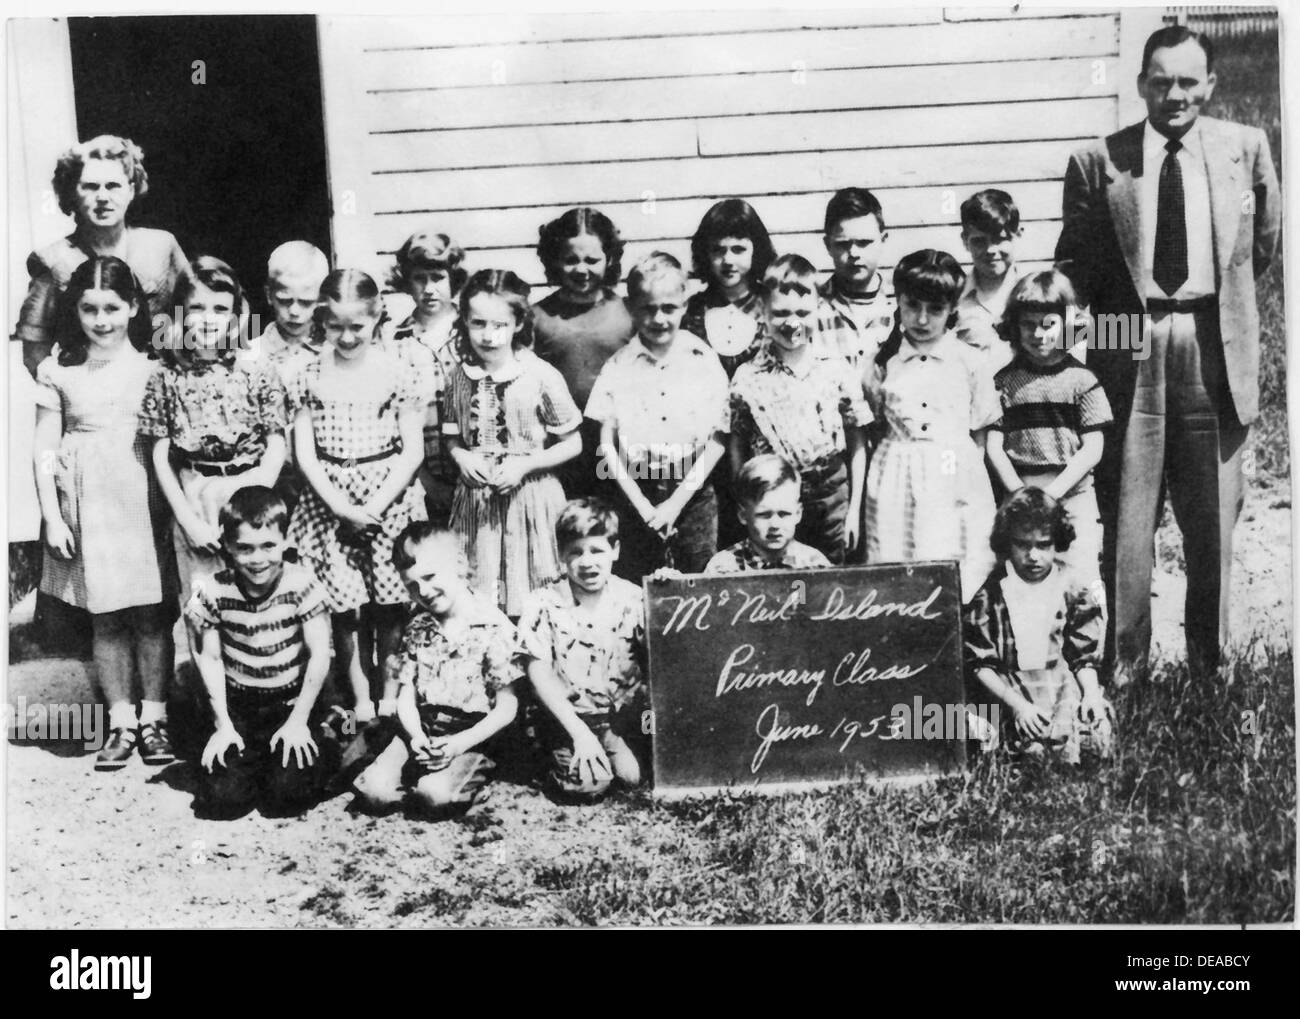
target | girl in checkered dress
[
  {"x": 516, "y": 423},
  {"x": 106, "y": 536},
  {"x": 428, "y": 268},
  {"x": 927, "y": 494},
  {"x": 359, "y": 437}
]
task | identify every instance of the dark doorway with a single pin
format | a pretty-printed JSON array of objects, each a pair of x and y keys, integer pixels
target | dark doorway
[{"x": 237, "y": 163}]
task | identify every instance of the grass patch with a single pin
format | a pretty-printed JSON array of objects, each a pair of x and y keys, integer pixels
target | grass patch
[{"x": 1194, "y": 822}]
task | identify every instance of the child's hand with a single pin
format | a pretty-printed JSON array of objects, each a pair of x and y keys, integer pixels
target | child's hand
[
  {"x": 219, "y": 745},
  {"x": 665, "y": 573},
  {"x": 364, "y": 712},
  {"x": 475, "y": 469},
  {"x": 60, "y": 540},
  {"x": 440, "y": 751},
  {"x": 510, "y": 474},
  {"x": 588, "y": 753},
  {"x": 359, "y": 518},
  {"x": 298, "y": 743},
  {"x": 664, "y": 516},
  {"x": 1092, "y": 708},
  {"x": 1032, "y": 721},
  {"x": 203, "y": 536}
]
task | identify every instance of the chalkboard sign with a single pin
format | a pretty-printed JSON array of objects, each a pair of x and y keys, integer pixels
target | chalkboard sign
[{"x": 771, "y": 679}]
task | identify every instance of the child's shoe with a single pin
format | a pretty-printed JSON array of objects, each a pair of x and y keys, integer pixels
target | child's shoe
[
  {"x": 117, "y": 750},
  {"x": 155, "y": 744}
]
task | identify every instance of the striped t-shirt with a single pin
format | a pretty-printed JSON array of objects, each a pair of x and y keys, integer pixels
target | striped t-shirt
[
  {"x": 1046, "y": 410},
  {"x": 261, "y": 640}
]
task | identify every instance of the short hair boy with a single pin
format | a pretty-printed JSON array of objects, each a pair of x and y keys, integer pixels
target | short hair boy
[
  {"x": 456, "y": 671},
  {"x": 804, "y": 405},
  {"x": 661, "y": 402},
  {"x": 990, "y": 228},
  {"x": 584, "y": 641},
  {"x": 767, "y": 489},
  {"x": 857, "y": 313},
  {"x": 264, "y": 639},
  {"x": 294, "y": 274}
]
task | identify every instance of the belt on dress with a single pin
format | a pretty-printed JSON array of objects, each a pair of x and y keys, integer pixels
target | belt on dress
[
  {"x": 225, "y": 469},
  {"x": 1186, "y": 307},
  {"x": 352, "y": 461}
]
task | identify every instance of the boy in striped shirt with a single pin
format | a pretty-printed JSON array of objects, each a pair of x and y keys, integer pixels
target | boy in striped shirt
[{"x": 264, "y": 642}]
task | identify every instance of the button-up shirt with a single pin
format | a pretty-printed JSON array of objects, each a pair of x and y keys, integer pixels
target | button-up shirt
[
  {"x": 979, "y": 319},
  {"x": 743, "y": 557},
  {"x": 461, "y": 663},
  {"x": 939, "y": 394},
  {"x": 665, "y": 409},
  {"x": 852, "y": 326},
  {"x": 1196, "y": 209}
]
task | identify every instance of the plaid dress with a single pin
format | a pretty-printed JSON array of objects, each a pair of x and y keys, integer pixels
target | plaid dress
[
  {"x": 107, "y": 495},
  {"x": 927, "y": 494},
  {"x": 365, "y": 424},
  {"x": 510, "y": 538}
]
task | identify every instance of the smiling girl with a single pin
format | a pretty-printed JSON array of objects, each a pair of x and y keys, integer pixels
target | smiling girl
[
  {"x": 515, "y": 423},
  {"x": 105, "y": 521},
  {"x": 359, "y": 438}
]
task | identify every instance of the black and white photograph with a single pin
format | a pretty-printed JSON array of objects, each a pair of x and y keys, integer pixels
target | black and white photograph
[{"x": 648, "y": 468}]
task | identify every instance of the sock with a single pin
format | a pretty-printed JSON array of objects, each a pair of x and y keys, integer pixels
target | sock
[
  {"x": 153, "y": 711},
  {"x": 122, "y": 716}
]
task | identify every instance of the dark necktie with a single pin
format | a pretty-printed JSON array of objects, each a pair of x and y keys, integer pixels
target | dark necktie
[{"x": 1169, "y": 266}]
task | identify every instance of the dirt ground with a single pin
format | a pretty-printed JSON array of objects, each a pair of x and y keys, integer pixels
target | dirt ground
[{"x": 89, "y": 850}]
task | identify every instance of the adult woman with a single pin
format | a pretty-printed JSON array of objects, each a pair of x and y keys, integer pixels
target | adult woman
[{"x": 95, "y": 183}]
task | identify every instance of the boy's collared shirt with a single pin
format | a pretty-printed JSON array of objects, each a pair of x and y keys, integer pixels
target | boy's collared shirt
[
  {"x": 743, "y": 557},
  {"x": 599, "y": 658},
  {"x": 461, "y": 663},
  {"x": 978, "y": 319},
  {"x": 800, "y": 413},
  {"x": 664, "y": 409},
  {"x": 287, "y": 357},
  {"x": 854, "y": 326},
  {"x": 261, "y": 638}
]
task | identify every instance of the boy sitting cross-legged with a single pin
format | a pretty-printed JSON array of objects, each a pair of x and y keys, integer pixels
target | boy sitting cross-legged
[
  {"x": 263, "y": 634},
  {"x": 455, "y": 671},
  {"x": 584, "y": 640}
]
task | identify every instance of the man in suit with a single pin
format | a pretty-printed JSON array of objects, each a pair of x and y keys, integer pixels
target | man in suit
[{"x": 1167, "y": 223}]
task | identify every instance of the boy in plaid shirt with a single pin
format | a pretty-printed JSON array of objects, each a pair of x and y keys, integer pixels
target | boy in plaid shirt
[{"x": 857, "y": 314}]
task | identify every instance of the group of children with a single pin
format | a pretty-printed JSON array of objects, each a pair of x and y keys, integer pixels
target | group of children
[{"x": 473, "y": 494}]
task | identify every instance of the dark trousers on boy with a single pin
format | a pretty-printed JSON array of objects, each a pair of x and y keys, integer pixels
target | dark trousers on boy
[
  {"x": 257, "y": 775},
  {"x": 824, "y": 495},
  {"x": 621, "y": 737},
  {"x": 689, "y": 547}
]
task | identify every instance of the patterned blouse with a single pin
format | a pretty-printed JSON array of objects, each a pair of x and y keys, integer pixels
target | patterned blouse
[
  {"x": 360, "y": 423},
  {"x": 213, "y": 412},
  {"x": 600, "y": 659},
  {"x": 854, "y": 327},
  {"x": 799, "y": 414},
  {"x": 514, "y": 411},
  {"x": 1077, "y": 631},
  {"x": 462, "y": 663},
  {"x": 743, "y": 557}
]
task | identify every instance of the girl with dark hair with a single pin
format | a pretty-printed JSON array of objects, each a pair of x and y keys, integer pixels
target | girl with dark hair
[
  {"x": 107, "y": 548},
  {"x": 927, "y": 493},
  {"x": 1034, "y": 634}
]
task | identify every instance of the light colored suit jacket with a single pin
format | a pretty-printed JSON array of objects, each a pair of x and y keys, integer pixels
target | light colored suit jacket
[{"x": 1100, "y": 247}]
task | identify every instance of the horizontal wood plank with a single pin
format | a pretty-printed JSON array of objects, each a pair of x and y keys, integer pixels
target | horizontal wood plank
[
  {"x": 776, "y": 92},
  {"x": 755, "y": 176},
  {"x": 760, "y": 133},
  {"x": 737, "y": 53}
]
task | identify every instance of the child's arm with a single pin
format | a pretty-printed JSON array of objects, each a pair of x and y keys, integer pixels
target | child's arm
[
  {"x": 737, "y": 452},
  {"x": 856, "y": 439},
  {"x": 267, "y": 471},
  {"x": 202, "y": 535},
  {"x": 610, "y": 451},
  {"x": 1082, "y": 641},
  {"x": 664, "y": 516},
  {"x": 504, "y": 708},
  {"x": 587, "y": 749},
  {"x": 996, "y": 454},
  {"x": 49, "y": 434},
  {"x": 514, "y": 469},
  {"x": 335, "y": 500},
  {"x": 294, "y": 734},
  {"x": 408, "y": 714},
  {"x": 983, "y": 659},
  {"x": 473, "y": 468},
  {"x": 411, "y": 425},
  {"x": 1079, "y": 465},
  {"x": 1030, "y": 721},
  {"x": 213, "y": 674}
]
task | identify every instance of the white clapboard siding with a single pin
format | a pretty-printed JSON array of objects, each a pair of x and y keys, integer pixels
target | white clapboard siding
[
  {"x": 487, "y": 126},
  {"x": 737, "y": 53}
]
